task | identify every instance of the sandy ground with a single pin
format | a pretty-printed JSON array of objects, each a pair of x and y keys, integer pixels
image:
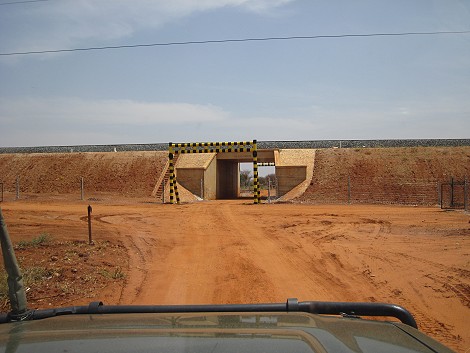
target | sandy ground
[{"x": 236, "y": 252}]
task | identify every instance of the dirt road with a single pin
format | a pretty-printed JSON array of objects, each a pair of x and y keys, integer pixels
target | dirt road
[{"x": 234, "y": 252}]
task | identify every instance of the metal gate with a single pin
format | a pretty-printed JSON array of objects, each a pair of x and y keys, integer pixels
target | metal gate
[{"x": 454, "y": 195}]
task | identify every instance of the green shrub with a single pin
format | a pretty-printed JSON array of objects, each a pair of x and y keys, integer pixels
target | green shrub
[{"x": 41, "y": 239}]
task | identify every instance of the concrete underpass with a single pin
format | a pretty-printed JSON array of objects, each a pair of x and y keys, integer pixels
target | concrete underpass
[{"x": 212, "y": 176}]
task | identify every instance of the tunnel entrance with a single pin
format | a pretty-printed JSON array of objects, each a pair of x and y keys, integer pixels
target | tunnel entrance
[
  {"x": 219, "y": 175},
  {"x": 228, "y": 172},
  {"x": 266, "y": 177},
  {"x": 227, "y": 179},
  {"x": 214, "y": 173}
]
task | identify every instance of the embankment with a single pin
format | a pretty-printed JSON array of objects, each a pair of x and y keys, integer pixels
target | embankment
[
  {"x": 402, "y": 175},
  {"x": 409, "y": 176},
  {"x": 132, "y": 174}
]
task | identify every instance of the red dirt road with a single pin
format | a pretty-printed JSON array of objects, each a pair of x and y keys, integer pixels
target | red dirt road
[{"x": 235, "y": 252}]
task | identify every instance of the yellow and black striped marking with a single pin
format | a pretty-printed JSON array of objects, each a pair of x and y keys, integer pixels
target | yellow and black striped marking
[
  {"x": 256, "y": 187},
  {"x": 211, "y": 144},
  {"x": 212, "y": 147},
  {"x": 171, "y": 168},
  {"x": 214, "y": 150}
]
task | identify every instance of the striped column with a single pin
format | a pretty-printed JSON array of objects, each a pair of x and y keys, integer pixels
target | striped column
[
  {"x": 171, "y": 167},
  {"x": 256, "y": 189}
]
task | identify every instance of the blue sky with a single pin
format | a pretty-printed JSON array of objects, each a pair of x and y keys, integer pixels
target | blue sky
[{"x": 335, "y": 88}]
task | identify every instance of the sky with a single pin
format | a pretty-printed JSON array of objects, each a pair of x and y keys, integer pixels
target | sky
[{"x": 382, "y": 87}]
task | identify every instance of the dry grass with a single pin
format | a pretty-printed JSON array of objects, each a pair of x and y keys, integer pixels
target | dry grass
[{"x": 64, "y": 272}]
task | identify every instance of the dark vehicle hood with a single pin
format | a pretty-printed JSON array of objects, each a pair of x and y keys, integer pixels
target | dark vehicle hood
[{"x": 212, "y": 332}]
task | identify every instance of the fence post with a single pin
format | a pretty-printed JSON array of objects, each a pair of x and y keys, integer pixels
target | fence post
[
  {"x": 163, "y": 190},
  {"x": 90, "y": 239},
  {"x": 17, "y": 188},
  {"x": 452, "y": 192},
  {"x": 269, "y": 190}
]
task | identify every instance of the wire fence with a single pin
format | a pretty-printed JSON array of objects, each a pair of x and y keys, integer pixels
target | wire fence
[
  {"x": 74, "y": 189},
  {"x": 454, "y": 195},
  {"x": 349, "y": 190},
  {"x": 451, "y": 194}
]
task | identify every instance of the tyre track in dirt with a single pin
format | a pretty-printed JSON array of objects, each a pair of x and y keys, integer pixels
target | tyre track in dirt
[
  {"x": 367, "y": 247},
  {"x": 411, "y": 289},
  {"x": 184, "y": 271},
  {"x": 247, "y": 281},
  {"x": 190, "y": 266},
  {"x": 138, "y": 266},
  {"x": 294, "y": 267},
  {"x": 136, "y": 248},
  {"x": 144, "y": 246},
  {"x": 210, "y": 262},
  {"x": 334, "y": 271}
]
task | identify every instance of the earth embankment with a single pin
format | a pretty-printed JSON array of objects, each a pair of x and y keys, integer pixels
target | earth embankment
[
  {"x": 408, "y": 176},
  {"x": 131, "y": 174}
]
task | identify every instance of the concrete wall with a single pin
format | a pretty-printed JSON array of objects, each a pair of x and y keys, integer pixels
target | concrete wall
[
  {"x": 210, "y": 181},
  {"x": 192, "y": 168},
  {"x": 289, "y": 177},
  {"x": 190, "y": 178}
]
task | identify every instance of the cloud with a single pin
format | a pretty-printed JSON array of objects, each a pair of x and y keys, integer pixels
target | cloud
[
  {"x": 76, "y": 121},
  {"x": 45, "y": 121},
  {"x": 442, "y": 118},
  {"x": 68, "y": 24},
  {"x": 109, "y": 112}
]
